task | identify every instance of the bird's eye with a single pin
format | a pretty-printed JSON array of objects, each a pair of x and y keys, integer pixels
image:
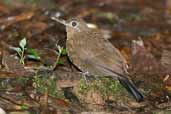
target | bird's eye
[{"x": 74, "y": 24}]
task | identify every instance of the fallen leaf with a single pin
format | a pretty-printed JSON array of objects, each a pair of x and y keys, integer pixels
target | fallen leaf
[
  {"x": 5, "y": 22},
  {"x": 12, "y": 67}
]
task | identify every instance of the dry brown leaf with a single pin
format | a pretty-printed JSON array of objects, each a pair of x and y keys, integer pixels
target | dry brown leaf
[
  {"x": 5, "y": 22},
  {"x": 12, "y": 67}
]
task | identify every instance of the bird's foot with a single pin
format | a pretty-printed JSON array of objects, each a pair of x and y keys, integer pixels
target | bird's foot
[{"x": 85, "y": 75}]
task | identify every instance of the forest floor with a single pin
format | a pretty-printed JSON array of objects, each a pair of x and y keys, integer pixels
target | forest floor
[{"x": 36, "y": 76}]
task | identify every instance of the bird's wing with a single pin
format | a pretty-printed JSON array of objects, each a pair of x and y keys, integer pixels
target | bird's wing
[
  {"x": 102, "y": 65},
  {"x": 103, "y": 57}
]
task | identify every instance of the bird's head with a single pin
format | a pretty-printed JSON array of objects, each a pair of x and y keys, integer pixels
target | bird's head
[{"x": 74, "y": 25}]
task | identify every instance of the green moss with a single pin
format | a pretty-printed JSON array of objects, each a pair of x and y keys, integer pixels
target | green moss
[
  {"x": 46, "y": 84},
  {"x": 83, "y": 86},
  {"x": 106, "y": 86}
]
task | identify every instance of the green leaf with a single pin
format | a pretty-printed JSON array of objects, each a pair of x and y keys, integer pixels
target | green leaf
[
  {"x": 33, "y": 57},
  {"x": 17, "y": 49},
  {"x": 23, "y": 43},
  {"x": 33, "y": 54},
  {"x": 59, "y": 49}
]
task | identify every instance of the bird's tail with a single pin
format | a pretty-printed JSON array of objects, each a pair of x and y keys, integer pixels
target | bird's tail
[{"x": 130, "y": 87}]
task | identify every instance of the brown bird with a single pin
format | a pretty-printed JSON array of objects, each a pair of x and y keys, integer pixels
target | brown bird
[{"x": 95, "y": 55}]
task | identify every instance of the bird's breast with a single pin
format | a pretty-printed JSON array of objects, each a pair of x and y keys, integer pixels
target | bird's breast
[{"x": 76, "y": 50}]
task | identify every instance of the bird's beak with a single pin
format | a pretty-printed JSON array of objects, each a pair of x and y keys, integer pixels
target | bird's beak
[{"x": 59, "y": 20}]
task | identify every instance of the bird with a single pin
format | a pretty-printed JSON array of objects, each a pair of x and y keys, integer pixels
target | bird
[{"x": 94, "y": 55}]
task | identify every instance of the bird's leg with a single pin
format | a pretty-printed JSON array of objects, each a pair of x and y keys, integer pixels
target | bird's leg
[{"x": 85, "y": 74}]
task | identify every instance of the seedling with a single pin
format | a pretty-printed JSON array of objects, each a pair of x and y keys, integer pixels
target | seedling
[
  {"x": 32, "y": 54},
  {"x": 60, "y": 52},
  {"x": 21, "y": 49}
]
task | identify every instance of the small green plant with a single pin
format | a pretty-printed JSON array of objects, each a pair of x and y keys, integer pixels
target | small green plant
[
  {"x": 21, "y": 49},
  {"x": 60, "y": 52},
  {"x": 32, "y": 54}
]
